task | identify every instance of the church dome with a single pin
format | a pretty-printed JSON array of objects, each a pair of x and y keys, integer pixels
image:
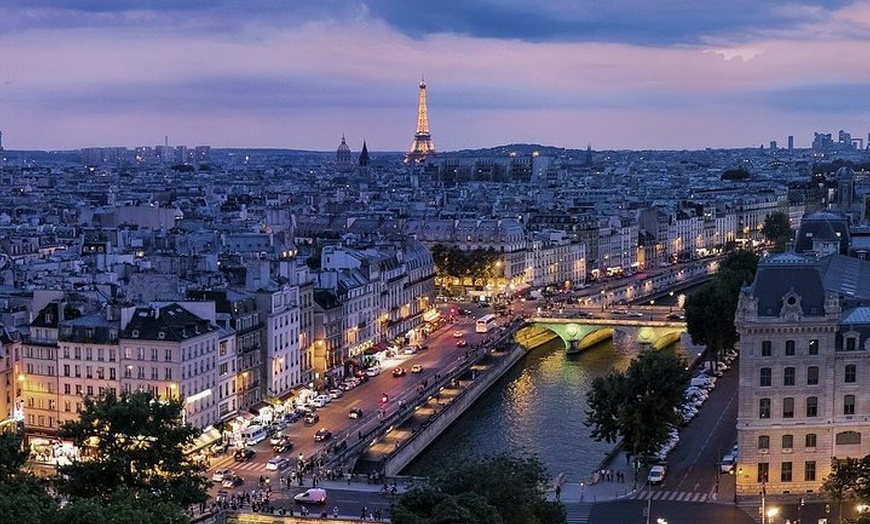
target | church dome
[{"x": 342, "y": 155}]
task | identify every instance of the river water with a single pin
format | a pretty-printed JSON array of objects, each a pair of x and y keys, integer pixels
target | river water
[{"x": 537, "y": 407}]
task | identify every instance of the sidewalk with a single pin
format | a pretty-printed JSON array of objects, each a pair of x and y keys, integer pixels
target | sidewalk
[{"x": 584, "y": 490}]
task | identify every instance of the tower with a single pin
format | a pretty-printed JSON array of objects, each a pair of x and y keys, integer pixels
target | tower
[{"x": 422, "y": 146}]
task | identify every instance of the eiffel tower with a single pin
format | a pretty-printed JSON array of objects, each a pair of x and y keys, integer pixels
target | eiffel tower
[{"x": 422, "y": 147}]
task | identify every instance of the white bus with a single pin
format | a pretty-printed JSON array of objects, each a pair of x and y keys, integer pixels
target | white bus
[
  {"x": 252, "y": 435},
  {"x": 485, "y": 323}
]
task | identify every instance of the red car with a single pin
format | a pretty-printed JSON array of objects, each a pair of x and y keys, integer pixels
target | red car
[{"x": 461, "y": 343}]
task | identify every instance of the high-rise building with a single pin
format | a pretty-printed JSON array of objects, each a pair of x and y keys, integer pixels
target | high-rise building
[
  {"x": 790, "y": 142},
  {"x": 422, "y": 146}
]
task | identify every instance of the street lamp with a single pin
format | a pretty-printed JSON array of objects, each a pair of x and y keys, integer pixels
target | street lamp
[
  {"x": 652, "y": 303},
  {"x": 771, "y": 513},
  {"x": 671, "y": 301}
]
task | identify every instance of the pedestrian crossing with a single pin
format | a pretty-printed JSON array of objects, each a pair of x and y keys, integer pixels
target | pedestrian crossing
[
  {"x": 674, "y": 496},
  {"x": 578, "y": 513}
]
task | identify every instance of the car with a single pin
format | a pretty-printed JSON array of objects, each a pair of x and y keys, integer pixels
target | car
[
  {"x": 312, "y": 419},
  {"x": 675, "y": 316},
  {"x": 276, "y": 438},
  {"x": 656, "y": 474},
  {"x": 244, "y": 454},
  {"x": 399, "y": 372},
  {"x": 461, "y": 343},
  {"x": 355, "y": 413},
  {"x": 728, "y": 463},
  {"x": 283, "y": 446},
  {"x": 416, "y": 368},
  {"x": 373, "y": 372},
  {"x": 232, "y": 481},
  {"x": 458, "y": 334},
  {"x": 277, "y": 463},
  {"x": 322, "y": 435},
  {"x": 335, "y": 393},
  {"x": 412, "y": 349},
  {"x": 311, "y": 496},
  {"x": 221, "y": 474},
  {"x": 292, "y": 417}
]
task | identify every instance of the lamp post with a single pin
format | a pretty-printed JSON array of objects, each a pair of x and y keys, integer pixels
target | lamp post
[
  {"x": 671, "y": 293},
  {"x": 652, "y": 304}
]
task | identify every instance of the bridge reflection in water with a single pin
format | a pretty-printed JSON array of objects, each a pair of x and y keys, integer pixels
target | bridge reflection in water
[
  {"x": 580, "y": 334},
  {"x": 538, "y": 407}
]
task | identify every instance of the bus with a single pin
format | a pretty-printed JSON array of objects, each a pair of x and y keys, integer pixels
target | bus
[{"x": 485, "y": 323}]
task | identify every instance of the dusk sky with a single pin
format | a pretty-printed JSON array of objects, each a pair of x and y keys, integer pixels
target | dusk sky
[{"x": 618, "y": 74}]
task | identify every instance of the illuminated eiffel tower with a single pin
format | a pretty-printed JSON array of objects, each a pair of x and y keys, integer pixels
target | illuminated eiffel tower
[{"x": 422, "y": 147}]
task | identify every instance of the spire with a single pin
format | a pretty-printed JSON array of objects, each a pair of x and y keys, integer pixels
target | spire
[
  {"x": 422, "y": 145},
  {"x": 364, "y": 155}
]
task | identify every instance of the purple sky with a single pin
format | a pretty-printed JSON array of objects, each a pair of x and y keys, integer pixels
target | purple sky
[{"x": 620, "y": 74}]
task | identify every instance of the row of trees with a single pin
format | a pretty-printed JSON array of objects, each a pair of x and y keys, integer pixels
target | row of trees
[
  {"x": 135, "y": 471},
  {"x": 452, "y": 262},
  {"x": 640, "y": 405}
]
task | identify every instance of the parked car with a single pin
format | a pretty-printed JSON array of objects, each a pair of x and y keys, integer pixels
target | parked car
[
  {"x": 221, "y": 474},
  {"x": 656, "y": 474},
  {"x": 322, "y": 435},
  {"x": 374, "y": 371},
  {"x": 675, "y": 316},
  {"x": 276, "y": 438},
  {"x": 244, "y": 454},
  {"x": 312, "y": 419},
  {"x": 458, "y": 334},
  {"x": 335, "y": 393},
  {"x": 311, "y": 496},
  {"x": 355, "y": 413},
  {"x": 412, "y": 349},
  {"x": 277, "y": 463},
  {"x": 416, "y": 368},
  {"x": 728, "y": 463}
]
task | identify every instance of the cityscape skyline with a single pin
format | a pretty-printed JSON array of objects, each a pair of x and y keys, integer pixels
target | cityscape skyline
[{"x": 672, "y": 75}]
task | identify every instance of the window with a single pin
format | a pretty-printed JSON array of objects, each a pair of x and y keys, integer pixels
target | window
[
  {"x": 111, "y": 373},
  {"x": 851, "y": 374},
  {"x": 788, "y": 376},
  {"x": 785, "y": 472},
  {"x": 787, "y": 442},
  {"x": 813, "y": 348},
  {"x": 765, "y": 378},
  {"x": 810, "y": 441},
  {"x": 810, "y": 470},
  {"x": 167, "y": 356},
  {"x": 812, "y": 406},
  {"x": 848, "y": 437},
  {"x": 851, "y": 344},
  {"x": 789, "y": 348},
  {"x": 764, "y": 408},
  {"x": 66, "y": 389},
  {"x": 849, "y": 405},
  {"x": 766, "y": 348},
  {"x": 813, "y": 376},
  {"x": 66, "y": 370},
  {"x": 788, "y": 407},
  {"x": 763, "y": 443},
  {"x": 763, "y": 470}
]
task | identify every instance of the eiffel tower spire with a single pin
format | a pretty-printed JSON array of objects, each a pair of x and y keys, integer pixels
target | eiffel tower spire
[{"x": 422, "y": 146}]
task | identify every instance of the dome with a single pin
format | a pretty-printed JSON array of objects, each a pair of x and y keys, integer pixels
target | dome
[{"x": 342, "y": 155}]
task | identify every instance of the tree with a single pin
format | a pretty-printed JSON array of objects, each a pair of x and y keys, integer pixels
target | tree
[
  {"x": 777, "y": 230},
  {"x": 710, "y": 311},
  {"x": 638, "y": 405},
  {"x": 124, "y": 507},
  {"x": 12, "y": 454},
  {"x": 137, "y": 442},
  {"x": 501, "y": 489},
  {"x": 840, "y": 484}
]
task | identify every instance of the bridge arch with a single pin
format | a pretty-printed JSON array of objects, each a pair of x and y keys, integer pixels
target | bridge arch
[{"x": 580, "y": 334}]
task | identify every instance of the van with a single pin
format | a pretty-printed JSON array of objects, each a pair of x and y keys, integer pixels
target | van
[{"x": 253, "y": 435}]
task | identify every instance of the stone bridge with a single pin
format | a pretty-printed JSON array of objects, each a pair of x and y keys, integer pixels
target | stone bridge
[{"x": 582, "y": 333}]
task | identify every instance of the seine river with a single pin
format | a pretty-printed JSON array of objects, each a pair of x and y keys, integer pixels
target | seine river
[{"x": 537, "y": 407}]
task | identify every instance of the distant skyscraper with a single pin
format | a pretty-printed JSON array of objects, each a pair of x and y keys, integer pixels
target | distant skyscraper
[
  {"x": 773, "y": 144},
  {"x": 342, "y": 155},
  {"x": 422, "y": 147},
  {"x": 790, "y": 142}
]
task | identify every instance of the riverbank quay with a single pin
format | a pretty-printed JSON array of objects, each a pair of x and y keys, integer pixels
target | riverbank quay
[{"x": 437, "y": 409}]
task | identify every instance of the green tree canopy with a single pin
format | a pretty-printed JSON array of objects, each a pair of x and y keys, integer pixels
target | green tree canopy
[
  {"x": 450, "y": 261},
  {"x": 135, "y": 442},
  {"x": 777, "y": 230},
  {"x": 638, "y": 404},
  {"x": 710, "y": 311},
  {"x": 13, "y": 455},
  {"x": 496, "y": 490}
]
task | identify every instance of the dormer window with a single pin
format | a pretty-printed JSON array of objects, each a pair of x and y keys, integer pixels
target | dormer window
[
  {"x": 135, "y": 333},
  {"x": 161, "y": 335}
]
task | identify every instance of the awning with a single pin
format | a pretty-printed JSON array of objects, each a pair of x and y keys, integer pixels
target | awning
[
  {"x": 207, "y": 437},
  {"x": 431, "y": 315}
]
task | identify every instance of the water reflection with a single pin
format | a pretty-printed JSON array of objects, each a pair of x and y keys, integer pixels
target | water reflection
[{"x": 538, "y": 407}]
